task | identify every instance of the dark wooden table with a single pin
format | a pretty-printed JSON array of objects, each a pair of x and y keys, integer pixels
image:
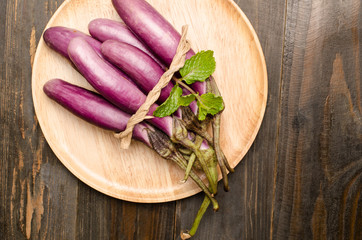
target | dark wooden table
[{"x": 301, "y": 179}]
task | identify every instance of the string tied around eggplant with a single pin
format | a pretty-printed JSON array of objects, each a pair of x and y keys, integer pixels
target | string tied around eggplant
[{"x": 177, "y": 63}]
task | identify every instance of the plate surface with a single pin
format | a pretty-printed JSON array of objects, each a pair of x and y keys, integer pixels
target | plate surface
[{"x": 138, "y": 174}]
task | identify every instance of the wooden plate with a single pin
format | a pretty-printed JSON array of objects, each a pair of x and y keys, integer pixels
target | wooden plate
[{"x": 138, "y": 174}]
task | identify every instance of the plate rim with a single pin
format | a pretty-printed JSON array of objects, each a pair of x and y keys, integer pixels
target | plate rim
[{"x": 162, "y": 198}]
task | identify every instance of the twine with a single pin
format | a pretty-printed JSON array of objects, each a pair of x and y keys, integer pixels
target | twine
[{"x": 177, "y": 62}]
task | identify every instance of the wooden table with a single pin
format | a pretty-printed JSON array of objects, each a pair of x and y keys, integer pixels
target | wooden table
[{"x": 301, "y": 179}]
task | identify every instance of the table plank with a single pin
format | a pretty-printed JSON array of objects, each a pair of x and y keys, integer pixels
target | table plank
[
  {"x": 33, "y": 182},
  {"x": 102, "y": 217},
  {"x": 319, "y": 168}
]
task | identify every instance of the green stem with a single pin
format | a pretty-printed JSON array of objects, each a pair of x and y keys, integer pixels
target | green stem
[
  {"x": 208, "y": 170},
  {"x": 205, "y": 204},
  {"x": 188, "y": 88},
  {"x": 218, "y": 152},
  {"x": 189, "y": 166},
  {"x": 185, "y": 151},
  {"x": 192, "y": 123}
]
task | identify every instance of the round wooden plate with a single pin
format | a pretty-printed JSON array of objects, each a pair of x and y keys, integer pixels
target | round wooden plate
[{"x": 138, "y": 174}]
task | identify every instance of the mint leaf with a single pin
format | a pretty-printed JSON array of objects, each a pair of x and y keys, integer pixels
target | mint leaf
[
  {"x": 208, "y": 103},
  {"x": 199, "y": 67},
  {"x": 171, "y": 104},
  {"x": 186, "y": 100}
]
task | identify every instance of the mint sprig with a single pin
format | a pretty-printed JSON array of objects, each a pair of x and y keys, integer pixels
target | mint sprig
[
  {"x": 173, "y": 102},
  {"x": 198, "y": 68}
]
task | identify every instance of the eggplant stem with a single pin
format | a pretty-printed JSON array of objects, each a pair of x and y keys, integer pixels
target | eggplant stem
[
  {"x": 185, "y": 151},
  {"x": 205, "y": 204},
  {"x": 189, "y": 166},
  {"x": 191, "y": 122},
  {"x": 178, "y": 159},
  {"x": 198, "y": 141},
  {"x": 203, "y": 133},
  {"x": 218, "y": 152},
  {"x": 222, "y": 160},
  {"x": 229, "y": 168},
  {"x": 203, "y": 162}
]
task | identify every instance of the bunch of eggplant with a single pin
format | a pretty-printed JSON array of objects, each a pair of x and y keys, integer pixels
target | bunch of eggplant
[{"x": 123, "y": 61}]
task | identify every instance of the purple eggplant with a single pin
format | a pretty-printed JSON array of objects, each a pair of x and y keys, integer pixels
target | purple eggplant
[
  {"x": 105, "y": 29},
  {"x": 93, "y": 108},
  {"x": 154, "y": 30},
  {"x": 58, "y": 39},
  {"x": 139, "y": 66},
  {"x": 110, "y": 84},
  {"x": 136, "y": 64},
  {"x": 151, "y": 27}
]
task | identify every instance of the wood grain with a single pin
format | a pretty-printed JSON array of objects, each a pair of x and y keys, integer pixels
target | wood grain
[
  {"x": 26, "y": 161},
  {"x": 319, "y": 170},
  {"x": 127, "y": 174}
]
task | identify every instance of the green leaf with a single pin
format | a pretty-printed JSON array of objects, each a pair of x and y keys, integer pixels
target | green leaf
[
  {"x": 199, "y": 67},
  {"x": 208, "y": 103},
  {"x": 186, "y": 100},
  {"x": 171, "y": 104}
]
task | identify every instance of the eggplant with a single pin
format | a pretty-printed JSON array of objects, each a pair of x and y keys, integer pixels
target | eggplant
[
  {"x": 93, "y": 108},
  {"x": 105, "y": 29},
  {"x": 58, "y": 39},
  {"x": 154, "y": 30},
  {"x": 143, "y": 70},
  {"x": 110, "y": 84},
  {"x": 138, "y": 65}
]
